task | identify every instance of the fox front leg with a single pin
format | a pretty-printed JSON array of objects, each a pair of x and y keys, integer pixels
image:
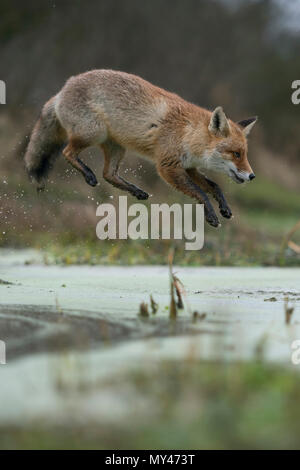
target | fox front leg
[
  {"x": 178, "y": 177},
  {"x": 212, "y": 188},
  {"x": 219, "y": 197}
]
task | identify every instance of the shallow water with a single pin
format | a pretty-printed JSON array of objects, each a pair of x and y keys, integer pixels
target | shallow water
[{"x": 80, "y": 323}]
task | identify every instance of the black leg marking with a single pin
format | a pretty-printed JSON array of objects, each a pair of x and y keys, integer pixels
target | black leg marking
[{"x": 89, "y": 176}]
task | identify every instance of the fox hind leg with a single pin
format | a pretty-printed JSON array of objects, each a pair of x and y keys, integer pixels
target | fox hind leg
[
  {"x": 113, "y": 154},
  {"x": 71, "y": 153}
]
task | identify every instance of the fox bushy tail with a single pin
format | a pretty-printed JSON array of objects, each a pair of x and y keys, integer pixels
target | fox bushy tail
[{"x": 45, "y": 143}]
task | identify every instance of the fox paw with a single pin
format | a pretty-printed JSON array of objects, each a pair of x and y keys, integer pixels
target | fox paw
[
  {"x": 141, "y": 195},
  {"x": 226, "y": 212},
  {"x": 212, "y": 220},
  {"x": 91, "y": 179}
]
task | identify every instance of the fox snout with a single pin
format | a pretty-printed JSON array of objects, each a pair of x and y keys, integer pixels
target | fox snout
[
  {"x": 240, "y": 176},
  {"x": 238, "y": 167},
  {"x": 240, "y": 170}
]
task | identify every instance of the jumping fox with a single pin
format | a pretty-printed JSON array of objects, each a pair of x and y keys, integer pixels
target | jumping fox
[{"x": 119, "y": 111}]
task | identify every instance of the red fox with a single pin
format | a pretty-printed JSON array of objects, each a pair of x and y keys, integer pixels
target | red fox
[{"x": 119, "y": 111}]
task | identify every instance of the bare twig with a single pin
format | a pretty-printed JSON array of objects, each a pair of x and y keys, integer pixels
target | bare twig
[
  {"x": 198, "y": 316},
  {"x": 173, "y": 306},
  {"x": 288, "y": 311},
  {"x": 179, "y": 290},
  {"x": 154, "y": 305},
  {"x": 144, "y": 312},
  {"x": 288, "y": 237},
  {"x": 293, "y": 246}
]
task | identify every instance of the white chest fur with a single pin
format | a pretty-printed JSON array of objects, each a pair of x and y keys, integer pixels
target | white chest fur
[{"x": 192, "y": 161}]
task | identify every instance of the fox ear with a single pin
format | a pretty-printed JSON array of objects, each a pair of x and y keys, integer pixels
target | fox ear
[
  {"x": 218, "y": 123},
  {"x": 247, "y": 124}
]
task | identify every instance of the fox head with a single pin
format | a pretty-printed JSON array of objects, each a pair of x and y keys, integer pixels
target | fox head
[{"x": 227, "y": 150}]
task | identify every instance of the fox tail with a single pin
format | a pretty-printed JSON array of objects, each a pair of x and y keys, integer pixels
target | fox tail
[{"x": 45, "y": 143}]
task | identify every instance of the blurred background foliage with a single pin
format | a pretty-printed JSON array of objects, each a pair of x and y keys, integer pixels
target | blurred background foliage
[{"x": 243, "y": 55}]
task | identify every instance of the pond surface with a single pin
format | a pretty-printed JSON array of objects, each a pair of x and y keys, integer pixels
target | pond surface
[{"x": 66, "y": 327}]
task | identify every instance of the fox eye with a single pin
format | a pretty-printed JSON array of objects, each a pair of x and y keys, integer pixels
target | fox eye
[{"x": 236, "y": 154}]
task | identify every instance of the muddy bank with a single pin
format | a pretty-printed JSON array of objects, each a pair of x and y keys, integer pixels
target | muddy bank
[{"x": 31, "y": 329}]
